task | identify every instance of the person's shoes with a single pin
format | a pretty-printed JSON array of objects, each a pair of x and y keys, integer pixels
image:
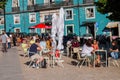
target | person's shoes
[
  {"x": 33, "y": 66},
  {"x": 98, "y": 65},
  {"x": 37, "y": 67}
]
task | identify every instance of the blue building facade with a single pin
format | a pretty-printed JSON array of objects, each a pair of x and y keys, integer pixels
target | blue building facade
[{"x": 81, "y": 16}]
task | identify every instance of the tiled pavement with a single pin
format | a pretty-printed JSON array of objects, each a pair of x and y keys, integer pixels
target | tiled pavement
[
  {"x": 13, "y": 67},
  {"x": 10, "y": 66}
]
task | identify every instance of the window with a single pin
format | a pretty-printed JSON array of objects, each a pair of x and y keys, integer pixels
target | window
[
  {"x": 90, "y": 12},
  {"x": 1, "y": 31},
  {"x": 1, "y": 11},
  {"x": 17, "y": 30},
  {"x": 48, "y": 1},
  {"x": 1, "y": 20},
  {"x": 15, "y": 3},
  {"x": 32, "y": 18},
  {"x": 33, "y": 30},
  {"x": 69, "y": 14},
  {"x": 17, "y": 19},
  {"x": 69, "y": 29},
  {"x": 48, "y": 18},
  {"x": 31, "y": 2}
]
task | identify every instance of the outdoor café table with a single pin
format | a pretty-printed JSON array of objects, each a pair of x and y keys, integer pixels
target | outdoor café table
[{"x": 103, "y": 52}]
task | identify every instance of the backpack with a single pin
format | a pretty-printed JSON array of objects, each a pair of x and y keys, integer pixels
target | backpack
[{"x": 43, "y": 64}]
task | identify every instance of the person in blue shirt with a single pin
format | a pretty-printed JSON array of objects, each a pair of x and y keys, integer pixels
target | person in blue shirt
[{"x": 114, "y": 50}]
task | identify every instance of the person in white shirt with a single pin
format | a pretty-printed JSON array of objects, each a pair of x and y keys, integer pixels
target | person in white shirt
[
  {"x": 9, "y": 42},
  {"x": 88, "y": 51}
]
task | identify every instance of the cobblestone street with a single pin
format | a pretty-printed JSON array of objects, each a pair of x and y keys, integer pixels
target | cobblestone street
[{"x": 13, "y": 67}]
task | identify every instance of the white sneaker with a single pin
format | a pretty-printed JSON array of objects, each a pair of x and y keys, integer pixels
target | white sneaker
[{"x": 37, "y": 67}]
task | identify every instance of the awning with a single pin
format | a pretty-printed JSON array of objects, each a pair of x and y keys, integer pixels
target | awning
[{"x": 112, "y": 24}]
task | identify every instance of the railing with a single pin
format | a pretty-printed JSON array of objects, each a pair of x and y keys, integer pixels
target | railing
[
  {"x": 30, "y": 7},
  {"x": 88, "y": 1},
  {"x": 55, "y": 4},
  {"x": 15, "y": 9}
]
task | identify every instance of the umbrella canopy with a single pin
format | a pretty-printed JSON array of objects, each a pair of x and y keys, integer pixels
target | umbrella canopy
[
  {"x": 60, "y": 29},
  {"x": 106, "y": 29},
  {"x": 112, "y": 25},
  {"x": 41, "y": 25},
  {"x": 48, "y": 27}
]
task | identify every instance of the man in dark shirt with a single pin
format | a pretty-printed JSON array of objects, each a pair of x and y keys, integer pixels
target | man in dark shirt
[
  {"x": 33, "y": 51},
  {"x": 114, "y": 50}
]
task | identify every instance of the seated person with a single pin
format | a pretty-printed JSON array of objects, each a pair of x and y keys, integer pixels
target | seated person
[
  {"x": 75, "y": 42},
  {"x": 32, "y": 40},
  {"x": 114, "y": 50},
  {"x": 25, "y": 46},
  {"x": 87, "y": 50},
  {"x": 34, "y": 48},
  {"x": 96, "y": 47},
  {"x": 43, "y": 43}
]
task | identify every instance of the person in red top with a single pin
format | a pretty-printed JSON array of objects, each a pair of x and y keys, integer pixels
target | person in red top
[{"x": 96, "y": 47}]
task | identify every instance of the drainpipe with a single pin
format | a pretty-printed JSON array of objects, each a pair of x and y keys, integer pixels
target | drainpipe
[
  {"x": 78, "y": 17},
  {"x": 4, "y": 19}
]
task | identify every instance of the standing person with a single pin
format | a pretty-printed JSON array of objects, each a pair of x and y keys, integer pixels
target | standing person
[
  {"x": 14, "y": 40},
  {"x": 9, "y": 42},
  {"x": 4, "y": 42}
]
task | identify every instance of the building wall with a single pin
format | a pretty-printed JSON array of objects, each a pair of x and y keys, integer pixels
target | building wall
[{"x": 79, "y": 17}]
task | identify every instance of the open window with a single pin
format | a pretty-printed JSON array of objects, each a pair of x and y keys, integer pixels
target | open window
[
  {"x": 15, "y": 3},
  {"x": 90, "y": 12},
  {"x": 1, "y": 20},
  {"x": 69, "y": 14},
  {"x": 69, "y": 29},
  {"x": 17, "y": 19},
  {"x": 32, "y": 17}
]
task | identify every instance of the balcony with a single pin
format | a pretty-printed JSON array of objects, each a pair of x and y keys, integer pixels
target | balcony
[
  {"x": 52, "y": 5},
  {"x": 88, "y": 1},
  {"x": 15, "y": 9},
  {"x": 30, "y": 7}
]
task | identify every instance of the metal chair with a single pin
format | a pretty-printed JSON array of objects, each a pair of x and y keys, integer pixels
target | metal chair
[
  {"x": 113, "y": 61},
  {"x": 31, "y": 60},
  {"x": 82, "y": 60}
]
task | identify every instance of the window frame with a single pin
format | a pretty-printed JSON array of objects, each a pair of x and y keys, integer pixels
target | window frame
[
  {"x": 18, "y": 18},
  {"x": 31, "y": 4},
  {"x": 2, "y": 17},
  {"x": 66, "y": 14},
  {"x": 93, "y": 7},
  {"x": 17, "y": 28},
  {"x": 32, "y": 17},
  {"x": 67, "y": 28},
  {"x": 35, "y": 30},
  {"x": 14, "y": 5}
]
